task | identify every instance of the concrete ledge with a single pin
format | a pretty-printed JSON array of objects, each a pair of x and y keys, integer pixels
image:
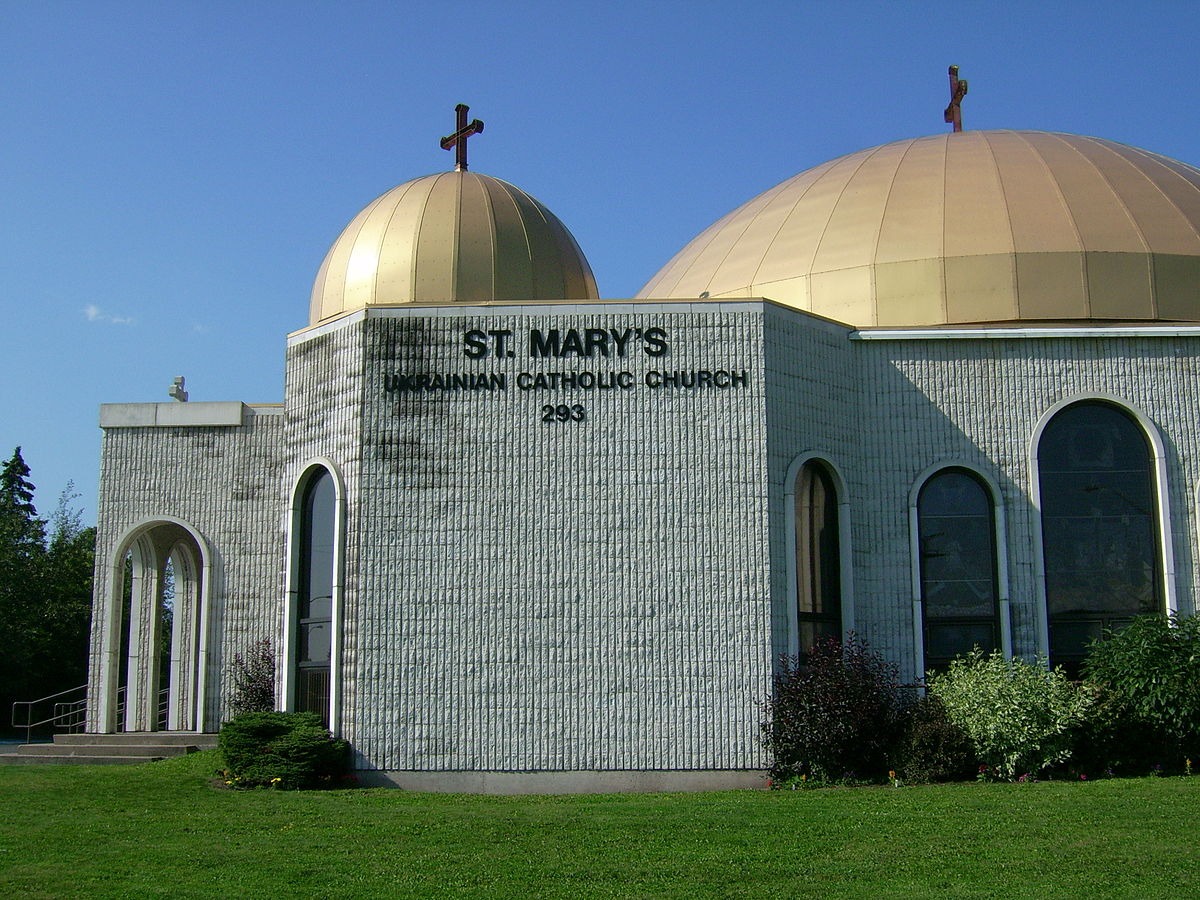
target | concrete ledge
[
  {"x": 1086, "y": 329},
  {"x": 171, "y": 415},
  {"x": 203, "y": 740},
  {"x": 92, "y": 751},
  {"x": 590, "y": 782},
  {"x": 20, "y": 759}
]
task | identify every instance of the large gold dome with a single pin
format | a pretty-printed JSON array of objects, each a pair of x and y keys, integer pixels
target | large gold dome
[
  {"x": 454, "y": 237},
  {"x": 980, "y": 226}
]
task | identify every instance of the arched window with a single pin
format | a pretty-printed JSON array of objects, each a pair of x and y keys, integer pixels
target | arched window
[
  {"x": 314, "y": 596},
  {"x": 818, "y": 557},
  {"x": 959, "y": 589},
  {"x": 1099, "y": 527}
]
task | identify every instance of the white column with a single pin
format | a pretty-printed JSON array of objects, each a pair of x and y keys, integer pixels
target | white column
[{"x": 141, "y": 692}]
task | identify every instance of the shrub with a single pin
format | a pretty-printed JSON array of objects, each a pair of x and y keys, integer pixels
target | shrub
[
  {"x": 1149, "y": 674},
  {"x": 1020, "y": 717},
  {"x": 254, "y": 679},
  {"x": 283, "y": 750},
  {"x": 933, "y": 748},
  {"x": 834, "y": 715},
  {"x": 1110, "y": 739}
]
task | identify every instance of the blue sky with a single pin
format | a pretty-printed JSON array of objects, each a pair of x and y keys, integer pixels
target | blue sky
[{"x": 172, "y": 174}]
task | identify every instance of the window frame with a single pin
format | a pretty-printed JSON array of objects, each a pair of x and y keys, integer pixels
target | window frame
[
  {"x": 1000, "y": 617},
  {"x": 845, "y": 567},
  {"x": 1160, "y": 516},
  {"x": 292, "y": 623}
]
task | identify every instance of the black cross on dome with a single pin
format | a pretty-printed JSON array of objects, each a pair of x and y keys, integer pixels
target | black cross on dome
[
  {"x": 458, "y": 140},
  {"x": 958, "y": 90}
]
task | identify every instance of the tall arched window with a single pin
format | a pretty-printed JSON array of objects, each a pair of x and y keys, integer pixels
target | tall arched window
[
  {"x": 314, "y": 596},
  {"x": 818, "y": 557},
  {"x": 1099, "y": 527},
  {"x": 959, "y": 590}
]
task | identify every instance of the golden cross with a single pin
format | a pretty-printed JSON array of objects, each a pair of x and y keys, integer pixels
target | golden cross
[
  {"x": 958, "y": 90},
  {"x": 458, "y": 140}
]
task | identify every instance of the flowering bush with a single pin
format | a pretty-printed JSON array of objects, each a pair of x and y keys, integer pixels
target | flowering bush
[
  {"x": 835, "y": 716},
  {"x": 1020, "y": 717},
  {"x": 281, "y": 750}
]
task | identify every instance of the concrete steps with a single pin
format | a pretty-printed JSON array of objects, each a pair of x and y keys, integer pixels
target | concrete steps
[{"x": 127, "y": 748}]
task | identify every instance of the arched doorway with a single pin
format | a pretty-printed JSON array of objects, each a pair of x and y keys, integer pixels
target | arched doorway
[{"x": 155, "y": 662}]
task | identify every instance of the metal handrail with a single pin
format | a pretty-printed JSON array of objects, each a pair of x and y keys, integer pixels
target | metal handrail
[
  {"x": 161, "y": 713},
  {"x": 69, "y": 710},
  {"x": 70, "y": 715}
]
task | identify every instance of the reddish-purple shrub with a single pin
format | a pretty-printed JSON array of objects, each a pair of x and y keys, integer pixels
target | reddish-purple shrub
[{"x": 835, "y": 714}]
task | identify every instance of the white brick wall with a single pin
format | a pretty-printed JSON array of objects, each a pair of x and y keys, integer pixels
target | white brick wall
[
  {"x": 224, "y": 482},
  {"x": 571, "y": 596},
  {"x": 610, "y": 594},
  {"x": 885, "y": 411},
  {"x": 981, "y": 401}
]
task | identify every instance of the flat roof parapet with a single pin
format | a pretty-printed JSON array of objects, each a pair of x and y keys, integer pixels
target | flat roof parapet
[{"x": 172, "y": 415}]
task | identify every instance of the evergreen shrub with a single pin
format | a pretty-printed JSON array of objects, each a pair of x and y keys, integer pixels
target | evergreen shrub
[
  {"x": 834, "y": 715},
  {"x": 933, "y": 748},
  {"x": 282, "y": 750},
  {"x": 1148, "y": 674},
  {"x": 1021, "y": 717}
]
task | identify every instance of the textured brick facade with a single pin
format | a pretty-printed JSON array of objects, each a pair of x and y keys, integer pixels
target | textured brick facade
[
  {"x": 604, "y": 586},
  {"x": 556, "y": 595},
  {"x": 978, "y": 402},
  {"x": 225, "y": 483}
]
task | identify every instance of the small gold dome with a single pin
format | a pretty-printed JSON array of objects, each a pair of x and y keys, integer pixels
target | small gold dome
[
  {"x": 454, "y": 237},
  {"x": 981, "y": 226}
]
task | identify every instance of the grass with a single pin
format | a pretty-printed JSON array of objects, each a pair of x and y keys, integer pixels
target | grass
[{"x": 162, "y": 829}]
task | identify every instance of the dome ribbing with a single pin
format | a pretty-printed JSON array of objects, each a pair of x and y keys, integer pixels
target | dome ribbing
[
  {"x": 453, "y": 237},
  {"x": 981, "y": 226}
]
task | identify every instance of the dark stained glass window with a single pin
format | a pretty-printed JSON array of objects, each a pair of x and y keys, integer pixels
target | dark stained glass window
[
  {"x": 957, "y": 537},
  {"x": 314, "y": 600},
  {"x": 818, "y": 557},
  {"x": 1099, "y": 531}
]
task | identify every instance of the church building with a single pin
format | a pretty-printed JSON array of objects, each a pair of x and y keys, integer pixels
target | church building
[{"x": 505, "y": 534}]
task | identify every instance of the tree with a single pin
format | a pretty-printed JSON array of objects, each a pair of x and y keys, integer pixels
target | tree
[
  {"x": 45, "y": 592},
  {"x": 22, "y": 549},
  {"x": 66, "y": 613},
  {"x": 22, "y": 533}
]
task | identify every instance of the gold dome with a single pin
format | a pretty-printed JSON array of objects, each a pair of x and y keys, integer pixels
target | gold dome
[
  {"x": 454, "y": 237},
  {"x": 981, "y": 226}
]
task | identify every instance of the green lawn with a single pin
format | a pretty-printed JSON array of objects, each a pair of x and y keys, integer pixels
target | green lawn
[{"x": 162, "y": 830}]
